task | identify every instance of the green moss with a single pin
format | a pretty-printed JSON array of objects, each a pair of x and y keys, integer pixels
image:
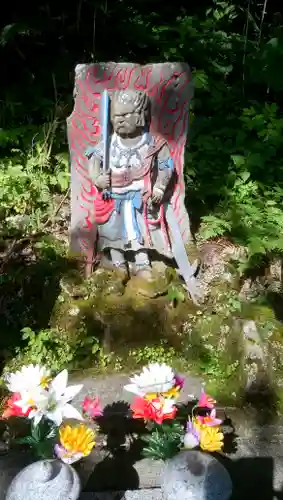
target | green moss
[{"x": 108, "y": 331}]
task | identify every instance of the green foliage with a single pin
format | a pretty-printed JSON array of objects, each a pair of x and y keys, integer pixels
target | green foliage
[
  {"x": 250, "y": 209},
  {"x": 48, "y": 347},
  {"x": 175, "y": 294},
  {"x": 42, "y": 439},
  {"x": 29, "y": 179},
  {"x": 153, "y": 354},
  {"x": 164, "y": 441},
  {"x": 54, "y": 348}
]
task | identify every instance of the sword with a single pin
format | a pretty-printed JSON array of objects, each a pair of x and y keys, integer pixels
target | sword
[
  {"x": 186, "y": 269},
  {"x": 105, "y": 108}
]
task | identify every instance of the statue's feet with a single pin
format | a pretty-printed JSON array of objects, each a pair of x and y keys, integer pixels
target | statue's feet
[
  {"x": 118, "y": 279},
  {"x": 145, "y": 273}
]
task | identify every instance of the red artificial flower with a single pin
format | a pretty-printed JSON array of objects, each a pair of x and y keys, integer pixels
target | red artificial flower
[
  {"x": 13, "y": 410},
  {"x": 156, "y": 410},
  {"x": 92, "y": 407},
  {"x": 206, "y": 401}
]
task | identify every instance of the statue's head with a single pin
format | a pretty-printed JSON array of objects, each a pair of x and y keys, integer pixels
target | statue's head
[{"x": 129, "y": 112}]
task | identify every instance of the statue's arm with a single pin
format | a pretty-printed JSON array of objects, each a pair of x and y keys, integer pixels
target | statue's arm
[
  {"x": 99, "y": 179},
  {"x": 94, "y": 168},
  {"x": 165, "y": 168}
]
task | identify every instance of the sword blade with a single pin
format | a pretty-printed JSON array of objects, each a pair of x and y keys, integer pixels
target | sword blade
[
  {"x": 105, "y": 107},
  {"x": 179, "y": 252}
]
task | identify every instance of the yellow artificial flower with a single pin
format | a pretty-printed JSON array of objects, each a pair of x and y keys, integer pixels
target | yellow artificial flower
[
  {"x": 45, "y": 381},
  {"x": 211, "y": 439},
  {"x": 196, "y": 424},
  {"x": 150, "y": 396},
  {"x": 79, "y": 439},
  {"x": 172, "y": 393}
]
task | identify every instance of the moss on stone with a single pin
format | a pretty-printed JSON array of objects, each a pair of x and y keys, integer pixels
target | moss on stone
[{"x": 207, "y": 340}]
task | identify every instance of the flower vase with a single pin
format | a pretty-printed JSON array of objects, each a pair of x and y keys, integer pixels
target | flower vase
[
  {"x": 195, "y": 475},
  {"x": 12, "y": 462},
  {"x": 45, "y": 480}
]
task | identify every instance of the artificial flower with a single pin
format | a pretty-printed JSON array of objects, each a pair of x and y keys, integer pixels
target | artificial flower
[
  {"x": 30, "y": 401},
  {"x": 191, "y": 438},
  {"x": 173, "y": 393},
  {"x": 156, "y": 378},
  {"x": 156, "y": 410},
  {"x": 54, "y": 403},
  {"x": 206, "y": 401},
  {"x": 75, "y": 443},
  {"x": 179, "y": 381},
  {"x": 13, "y": 410},
  {"x": 92, "y": 407},
  {"x": 210, "y": 419},
  {"x": 211, "y": 439},
  {"x": 27, "y": 379}
]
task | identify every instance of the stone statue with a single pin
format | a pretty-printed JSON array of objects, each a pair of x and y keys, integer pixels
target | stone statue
[
  {"x": 140, "y": 168},
  {"x": 131, "y": 187}
]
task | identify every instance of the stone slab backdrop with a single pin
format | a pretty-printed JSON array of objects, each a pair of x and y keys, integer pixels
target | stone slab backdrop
[{"x": 170, "y": 89}]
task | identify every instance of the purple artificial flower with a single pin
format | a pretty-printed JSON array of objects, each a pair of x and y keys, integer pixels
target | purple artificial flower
[{"x": 179, "y": 381}]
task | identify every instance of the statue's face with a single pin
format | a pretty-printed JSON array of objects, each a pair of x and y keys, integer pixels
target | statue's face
[{"x": 125, "y": 119}]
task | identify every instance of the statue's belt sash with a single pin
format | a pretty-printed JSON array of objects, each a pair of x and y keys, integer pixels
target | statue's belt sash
[{"x": 136, "y": 204}]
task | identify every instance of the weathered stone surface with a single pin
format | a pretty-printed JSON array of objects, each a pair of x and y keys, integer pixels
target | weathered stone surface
[
  {"x": 10, "y": 465},
  {"x": 110, "y": 388},
  {"x": 45, "y": 480},
  {"x": 254, "y": 358},
  {"x": 193, "y": 475}
]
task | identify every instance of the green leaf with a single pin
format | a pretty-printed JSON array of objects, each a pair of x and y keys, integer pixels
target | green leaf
[
  {"x": 238, "y": 160},
  {"x": 245, "y": 176},
  {"x": 26, "y": 440}
]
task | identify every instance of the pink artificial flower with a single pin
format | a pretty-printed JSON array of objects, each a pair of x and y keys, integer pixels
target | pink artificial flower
[
  {"x": 11, "y": 408},
  {"x": 210, "y": 419},
  {"x": 206, "y": 401},
  {"x": 92, "y": 407}
]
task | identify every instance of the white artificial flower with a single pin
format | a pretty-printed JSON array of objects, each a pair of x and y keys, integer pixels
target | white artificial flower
[
  {"x": 54, "y": 403},
  {"x": 32, "y": 400},
  {"x": 67, "y": 457},
  {"x": 29, "y": 378},
  {"x": 168, "y": 405},
  {"x": 156, "y": 378},
  {"x": 190, "y": 441}
]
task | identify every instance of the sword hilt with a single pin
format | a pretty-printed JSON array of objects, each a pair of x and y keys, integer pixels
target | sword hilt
[{"x": 106, "y": 195}]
